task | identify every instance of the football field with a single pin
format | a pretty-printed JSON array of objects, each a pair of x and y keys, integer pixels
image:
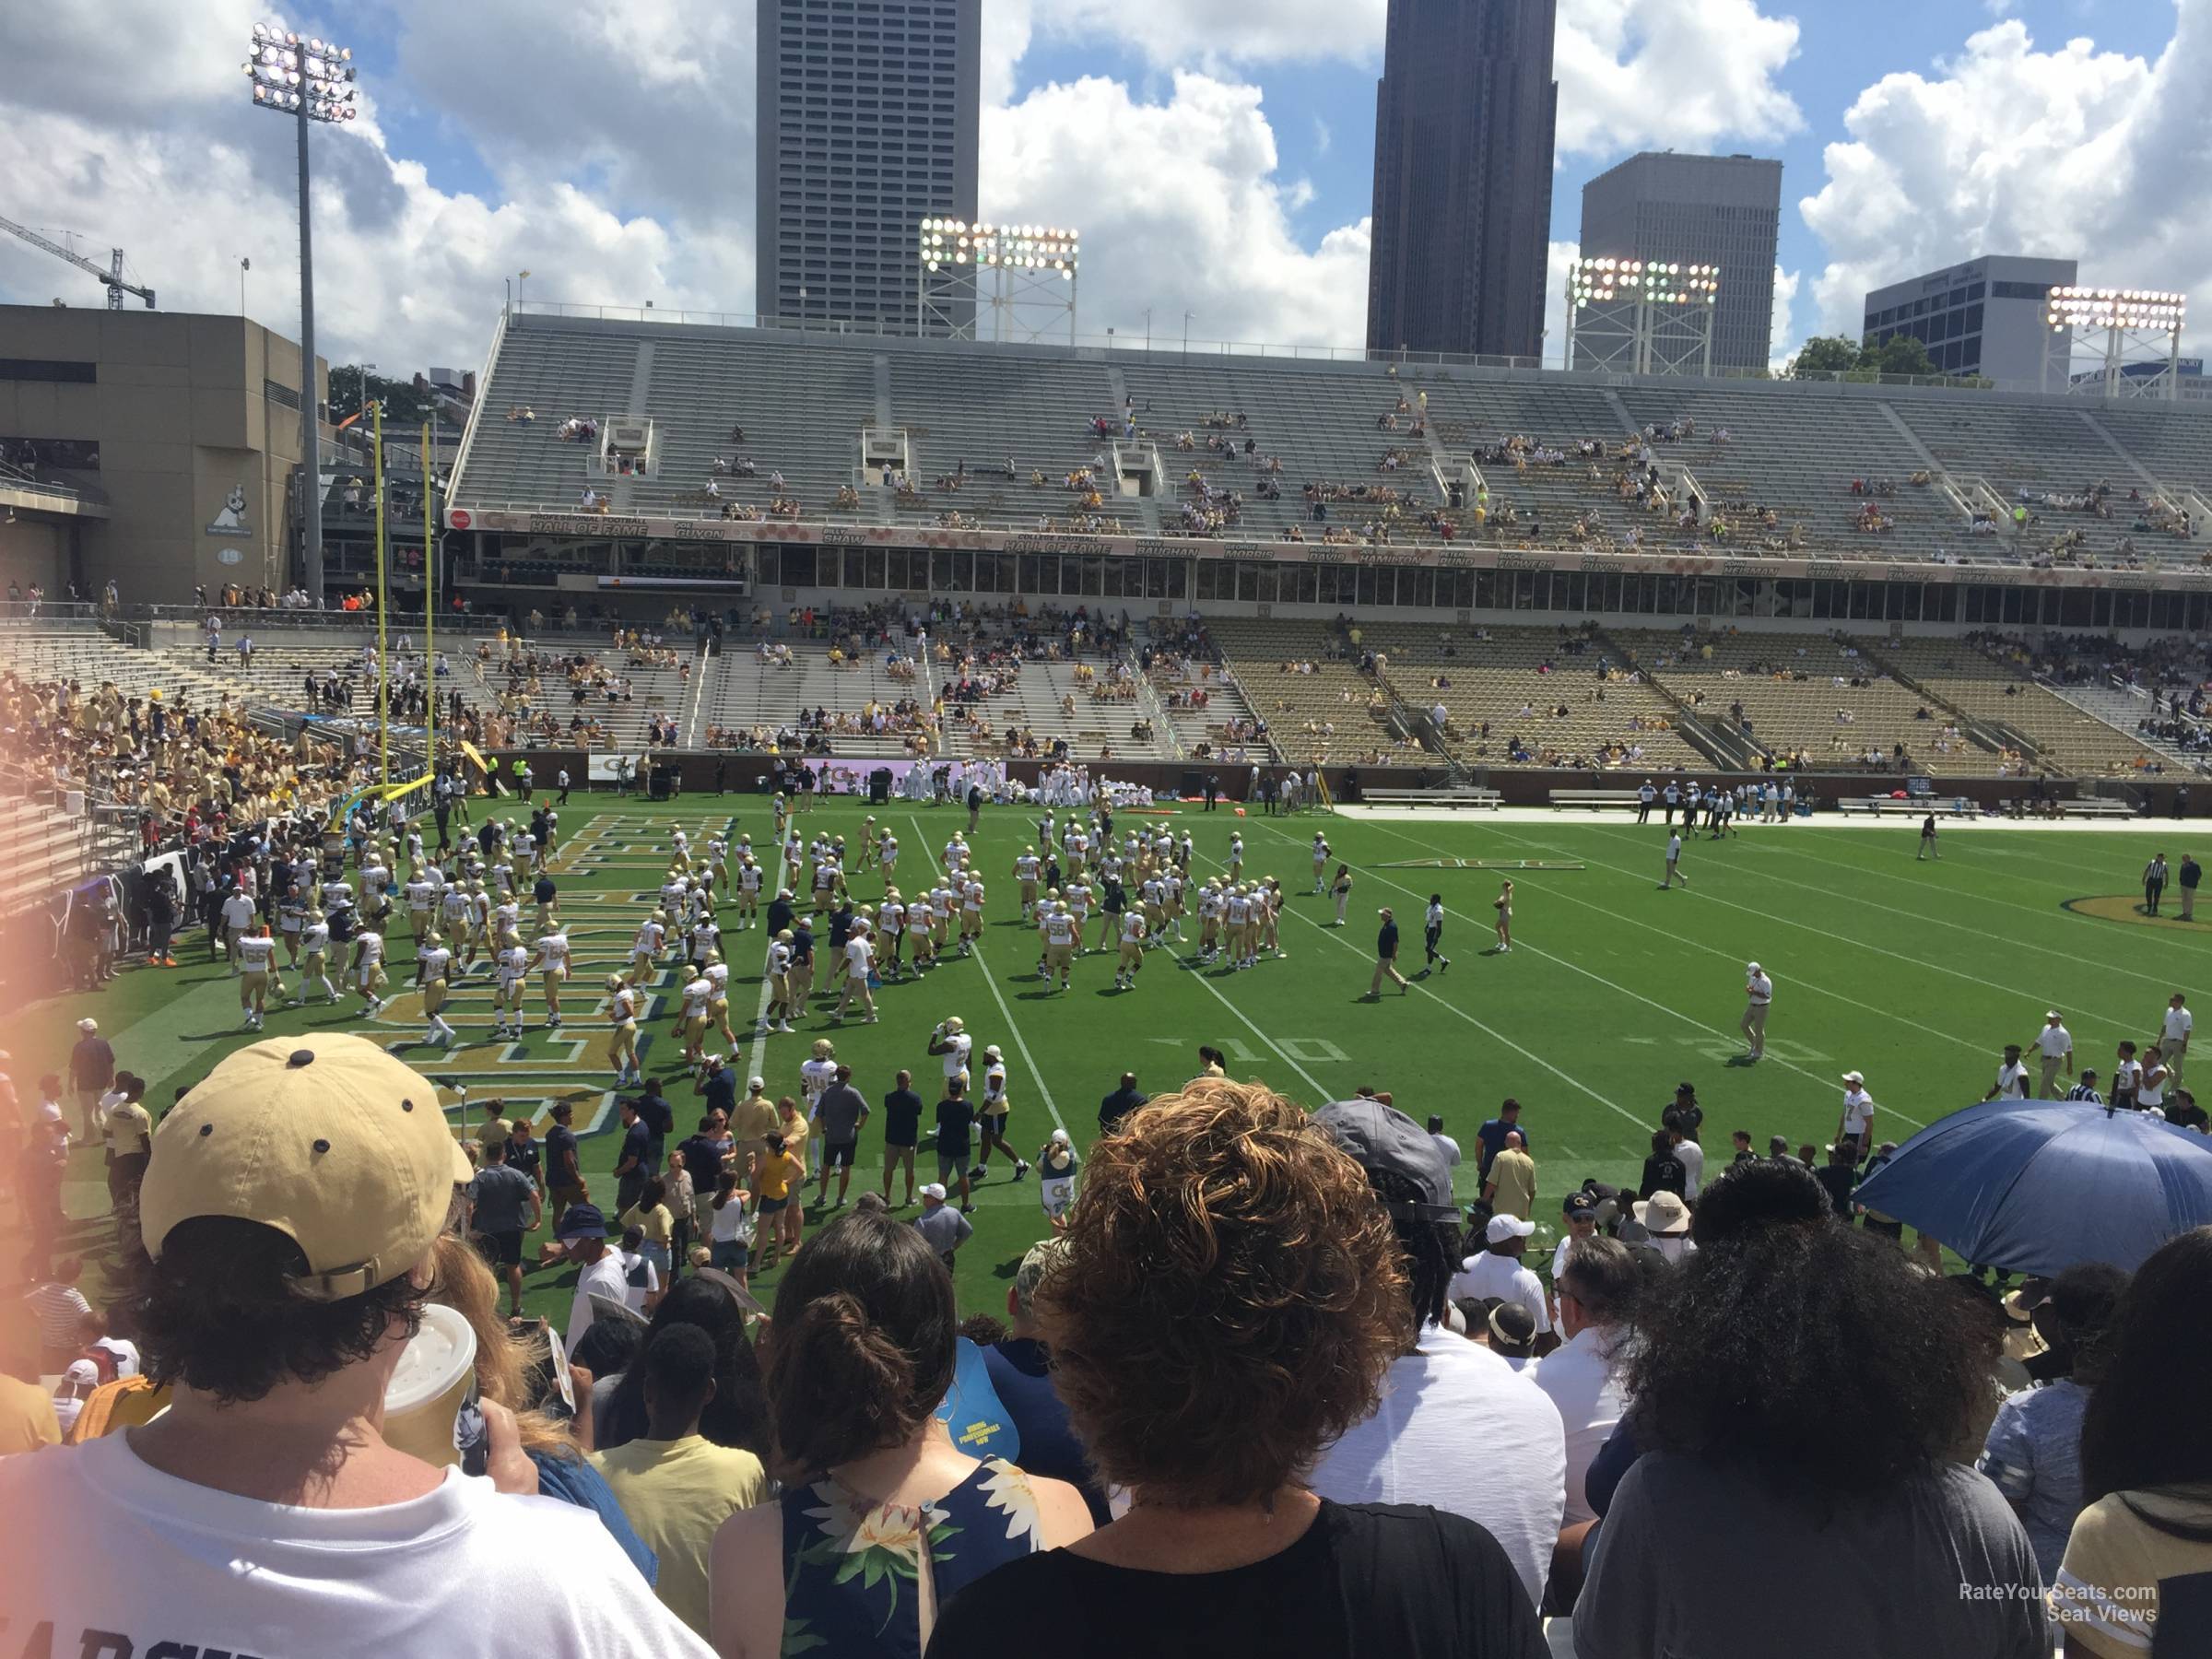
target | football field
[{"x": 1914, "y": 972}]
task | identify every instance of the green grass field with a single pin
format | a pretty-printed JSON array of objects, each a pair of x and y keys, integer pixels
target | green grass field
[{"x": 1916, "y": 973}]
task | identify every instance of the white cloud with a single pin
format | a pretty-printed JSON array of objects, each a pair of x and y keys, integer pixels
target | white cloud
[
  {"x": 1181, "y": 210},
  {"x": 1679, "y": 74},
  {"x": 2069, "y": 153},
  {"x": 608, "y": 147},
  {"x": 1781, "y": 341}
]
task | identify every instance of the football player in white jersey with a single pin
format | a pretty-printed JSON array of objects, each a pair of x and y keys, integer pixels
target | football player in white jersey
[
  {"x": 622, "y": 1045},
  {"x": 817, "y": 1073},
  {"x": 314, "y": 958},
  {"x": 368, "y": 968},
  {"x": 991, "y": 1109},
  {"x": 1060, "y": 933},
  {"x": 1321, "y": 861},
  {"x": 510, "y": 968},
  {"x": 1209, "y": 918},
  {"x": 920, "y": 951},
  {"x": 420, "y": 896},
  {"x": 1236, "y": 858},
  {"x": 971, "y": 915},
  {"x": 433, "y": 963},
  {"x": 887, "y": 857},
  {"x": 717, "y": 975},
  {"x": 891, "y": 929},
  {"x": 776, "y": 1017},
  {"x": 692, "y": 1022},
  {"x": 860, "y": 961},
  {"x": 1025, "y": 878},
  {"x": 748, "y": 892},
  {"x": 940, "y": 917},
  {"x": 552, "y": 969},
  {"x": 256, "y": 968},
  {"x": 1132, "y": 950},
  {"x": 653, "y": 934}
]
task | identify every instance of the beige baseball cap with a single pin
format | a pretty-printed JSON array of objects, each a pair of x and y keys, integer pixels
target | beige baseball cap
[{"x": 326, "y": 1138}]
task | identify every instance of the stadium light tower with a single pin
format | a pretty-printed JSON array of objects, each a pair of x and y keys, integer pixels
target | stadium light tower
[
  {"x": 2114, "y": 342},
  {"x": 1641, "y": 316},
  {"x": 1026, "y": 274},
  {"x": 308, "y": 79}
]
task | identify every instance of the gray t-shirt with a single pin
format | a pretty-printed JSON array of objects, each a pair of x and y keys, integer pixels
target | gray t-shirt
[
  {"x": 501, "y": 1195},
  {"x": 837, "y": 1113},
  {"x": 944, "y": 1226},
  {"x": 1691, "y": 1559}
]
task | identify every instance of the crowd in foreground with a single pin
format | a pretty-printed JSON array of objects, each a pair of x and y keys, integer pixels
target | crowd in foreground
[{"x": 1252, "y": 1418}]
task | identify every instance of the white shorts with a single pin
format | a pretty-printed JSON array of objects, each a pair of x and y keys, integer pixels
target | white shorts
[{"x": 1057, "y": 1196}]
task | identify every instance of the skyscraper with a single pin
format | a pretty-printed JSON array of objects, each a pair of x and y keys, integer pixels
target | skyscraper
[
  {"x": 1463, "y": 119},
  {"x": 1722, "y": 210},
  {"x": 867, "y": 116}
]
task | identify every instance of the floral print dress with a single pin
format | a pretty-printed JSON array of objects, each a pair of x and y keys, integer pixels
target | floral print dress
[{"x": 852, "y": 1565}]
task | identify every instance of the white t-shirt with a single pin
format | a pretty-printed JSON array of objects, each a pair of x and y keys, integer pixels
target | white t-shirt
[
  {"x": 2012, "y": 1082},
  {"x": 2055, "y": 1043},
  {"x": 1458, "y": 1429},
  {"x": 462, "y": 1569},
  {"x": 1508, "y": 1278},
  {"x": 1858, "y": 1112},
  {"x": 606, "y": 1276},
  {"x": 2178, "y": 1024},
  {"x": 1692, "y": 1157},
  {"x": 1582, "y": 1382},
  {"x": 239, "y": 912}
]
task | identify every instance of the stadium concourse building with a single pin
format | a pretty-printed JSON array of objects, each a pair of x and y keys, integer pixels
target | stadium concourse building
[
  {"x": 911, "y": 468},
  {"x": 153, "y": 448}
]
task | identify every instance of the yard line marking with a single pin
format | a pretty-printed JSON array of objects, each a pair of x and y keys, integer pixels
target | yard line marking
[
  {"x": 1920, "y": 916},
  {"x": 1490, "y": 1032},
  {"x": 1639, "y": 996},
  {"x": 1198, "y": 973},
  {"x": 2033, "y": 910},
  {"x": 1951, "y": 1037},
  {"x": 1768, "y": 916},
  {"x": 998, "y": 996}
]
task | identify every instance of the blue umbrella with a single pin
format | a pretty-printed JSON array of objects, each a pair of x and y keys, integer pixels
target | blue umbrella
[{"x": 2039, "y": 1185}]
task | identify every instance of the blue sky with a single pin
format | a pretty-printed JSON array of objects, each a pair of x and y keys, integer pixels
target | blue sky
[{"x": 1217, "y": 154}]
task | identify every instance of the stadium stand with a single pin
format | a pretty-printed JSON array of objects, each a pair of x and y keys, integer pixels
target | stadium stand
[
  {"x": 1513, "y": 684},
  {"x": 2062, "y": 738},
  {"x": 1837, "y": 470},
  {"x": 1316, "y": 706}
]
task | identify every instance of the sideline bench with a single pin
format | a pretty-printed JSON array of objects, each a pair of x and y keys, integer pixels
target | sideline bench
[
  {"x": 2097, "y": 806},
  {"x": 1595, "y": 799},
  {"x": 1478, "y": 800}
]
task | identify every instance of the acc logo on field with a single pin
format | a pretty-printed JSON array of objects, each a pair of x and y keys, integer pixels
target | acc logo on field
[{"x": 459, "y": 518}]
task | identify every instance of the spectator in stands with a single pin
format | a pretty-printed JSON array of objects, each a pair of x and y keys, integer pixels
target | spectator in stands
[
  {"x": 2131, "y": 1580},
  {"x": 1208, "y": 1352},
  {"x": 1019, "y": 1365},
  {"x": 737, "y": 1415},
  {"x": 1596, "y": 1295},
  {"x": 861, "y": 1352},
  {"x": 1784, "y": 1452},
  {"x": 675, "y": 1485},
  {"x": 277, "y": 1340},
  {"x": 1443, "y": 1397},
  {"x": 2033, "y": 1449}
]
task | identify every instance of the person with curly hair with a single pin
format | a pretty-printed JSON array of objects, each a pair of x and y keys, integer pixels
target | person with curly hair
[
  {"x": 290, "y": 1221},
  {"x": 2140, "y": 1555},
  {"x": 1801, "y": 1393},
  {"x": 1228, "y": 1301}
]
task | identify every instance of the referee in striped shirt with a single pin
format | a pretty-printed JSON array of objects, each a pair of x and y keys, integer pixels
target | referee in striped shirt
[{"x": 2086, "y": 1090}]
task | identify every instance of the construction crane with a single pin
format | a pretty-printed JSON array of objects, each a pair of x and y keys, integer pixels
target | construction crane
[{"x": 111, "y": 277}]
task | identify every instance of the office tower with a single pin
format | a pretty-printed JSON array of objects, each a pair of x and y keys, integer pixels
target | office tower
[
  {"x": 1720, "y": 210},
  {"x": 1463, "y": 119},
  {"x": 1983, "y": 317},
  {"x": 867, "y": 114}
]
